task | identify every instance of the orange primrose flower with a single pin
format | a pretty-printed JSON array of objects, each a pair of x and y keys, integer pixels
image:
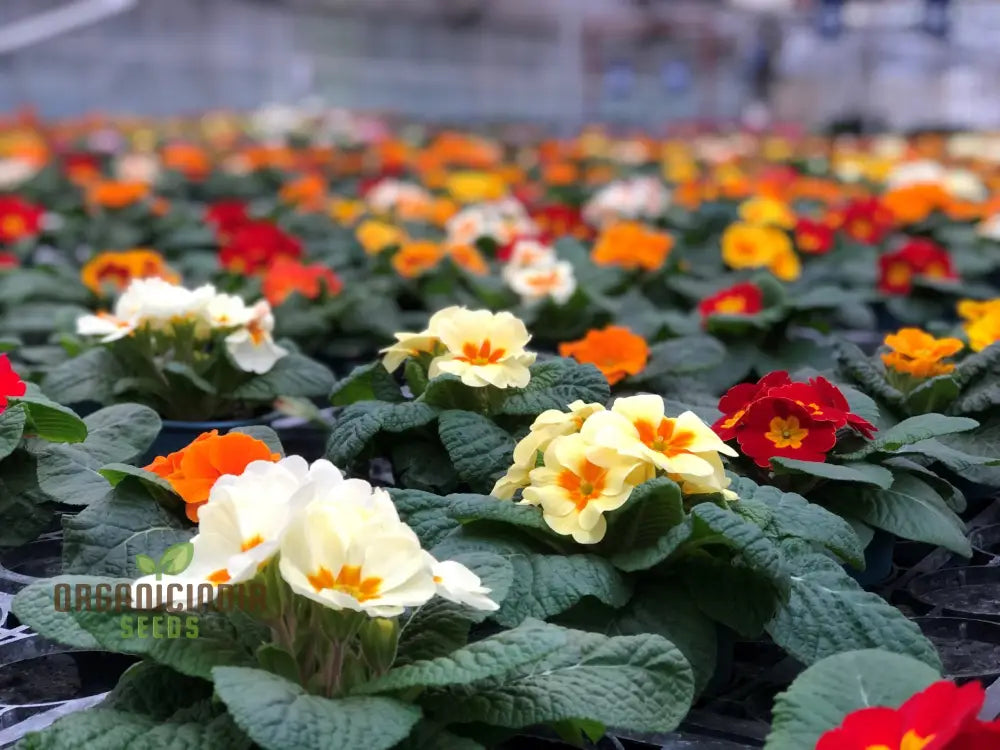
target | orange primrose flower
[
  {"x": 632, "y": 245},
  {"x": 614, "y": 350},
  {"x": 286, "y": 276},
  {"x": 376, "y": 236},
  {"x": 193, "y": 470},
  {"x": 917, "y": 353},
  {"x": 116, "y": 194},
  {"x": 469, "y": 258},
  {"x": 117, "y": 269},
  {"x": 416, "y": 258}
]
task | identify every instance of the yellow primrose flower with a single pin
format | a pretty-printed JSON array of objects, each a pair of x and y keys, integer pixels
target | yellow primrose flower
[
  {"x": 483, "y": 348},
  {"x": 770, "y": 211},
  {"x": 475, "y": 187},
  {"x": 577, "y": 485},
  {"x": 983, "y": 331},
  {"x": 972, "y": 309},
  {"x": 786, "y": 266},
  {"x": 636, "y": 426},
  {"x": 715, "y": 483},
  {"x": 376, "y": 236},
  {"x": 547, "y": 426},
  {"x": 345, "y": 211}
]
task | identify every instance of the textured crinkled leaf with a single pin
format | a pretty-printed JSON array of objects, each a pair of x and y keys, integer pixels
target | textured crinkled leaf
[
  {"x": 741, "y": 598},
  {"x": 652, "y": 510},
  {"x": 371, "y": 382},
  {"x": 491, "y": 657},
  {"x": 827, "y": 612},
  {"x": 866, "y": 373},
  {"x": 468, "y": 507},
  {"x": 933, "y": 395},
  {"x": 426, "y": 513},
  {"x": 423, "y": 464},
  {"x": 642, "y": 683},
  {"x": 824, "y": 694},
  {"x": 958, "y": 461},
  {"x": 979, "y": 397},
  {"x": 683, "y": 355},
  {"x": 792, "y": 516},
  {"x": 555, "y": 384},
  {"x": 910, "y": 509},
  {"x": 104, "y": 538},
  {"x": 280, "y": 715},
  {"x": 12, "y": 421},
  {"x": 977, "y": 364},
  {"x": 748, "y": 539},
  {"x": 918, "y": 428},
  {"x": 292, "y": 375},
  {"x": 856, "y": 472},
  {"x": 353, "y": 430},
  {"x": 480, "y": 450},
  {"x": 982, "y": 441}
]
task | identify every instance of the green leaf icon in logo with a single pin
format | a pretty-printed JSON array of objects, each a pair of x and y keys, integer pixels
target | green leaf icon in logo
[
  {"x": 176, "y": 559},
  {"x": 146, "y": 564}
]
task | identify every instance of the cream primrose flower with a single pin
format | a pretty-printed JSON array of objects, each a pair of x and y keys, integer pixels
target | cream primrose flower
[
  {"x": 715, "y": 483},
  {"x": 538, "y": 282},
  {"x": 251, "y": 346},
  {"x": 138, "y": 167},
  {"x": 547, "y": 426},
  {"x": 150, "y": 301},
  {"x": 413, "y": 344},
  {"x": 636, "y": 426},
  {"x": 528, "y": 253},
  {"x": 458, "y": 584},
  {"x": 105, "y": 325},
  {"x": 633, "y": 198},
  {"x": 388, "y": 195},
  {"x": 577, "y": 484},
  {"x": 483, "y": 348},
  {"x": 239, "y": 528},
  {"x": 347, "y": 549},
  {"x": 501, "y": 220}
]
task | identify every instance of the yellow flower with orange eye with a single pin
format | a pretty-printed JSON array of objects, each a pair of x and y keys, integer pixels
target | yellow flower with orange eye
[
  {"x": 973, "y": 309},
  {"x": 376, "y": 236},
  {"x": 115, "y": 270},
  {"x": 984, "y": 331},
  {"x": 754, "y": 246},
  {"x": 547, "y": 426},
  {"x": 475, "y": 187},
  {"x": 469, "y": 259},
  {"x": 767, "y": 211},
  {"x": 577, "y": 484},
  {"x": 482, "y": 348},
  {"x": 918, "y": 353},
  {"x": 345, "y": 211}
]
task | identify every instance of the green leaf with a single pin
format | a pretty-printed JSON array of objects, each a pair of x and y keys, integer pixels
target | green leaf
[
  {"x": 824, "y": 297},
  {"x": 918, "y": 428},
  {"x": 265, "y": 434},
  {"x": 824, "y": 694},
  {"x": 979, "y": 397},
  {"x": 491, "y": 657},
  {"x": 218, "y": 643},
  {"x": 934, "y": 394},
  {"x": 555, "y": 384},
  {"x": 353, "y": 430},
  {"x": 729, "y": 528},
  {"x": 145, "y": 564},
  {"x": 653, "y": 509},
  {"x": 958, "y": 461},
  {"x": 115, "y": 473},
  {"x": 827, "y": 612},
  {"x": 856, "y": 472},
  {"x": 121, "y": 433},
  {"x": 104, "y": 538},
  {"x": 90, "y": 377},
  {"x": 689, "y": 354},
  {"x": 976, "y": 365},
  {"x": 280, "y": 715},
  {"x": 423, "y": 464},
  {"x": 468, "y": 507},
  {"x": 640, "y": 682},
  {"x": 292, "y": 375},
  {"x": 371, "y": 382},
  {"x": 866, "y": 373},
  {"x": 12, "y": 421},
  {"x": 480, "y": 450},
  {"x": 794, "y": 517},
  {"x": 741, "y": 598},
  {"x": 979, "y": 442},
  {"x": 543, "y": 584},
  {"x": 51, "y": 421},
  {"x": 910, "y": 509},
  {"x": 176, "y": 558}
]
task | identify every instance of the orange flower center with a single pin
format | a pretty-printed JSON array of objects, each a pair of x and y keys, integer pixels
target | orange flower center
[
  {"x": 898, "y": 274},
  {"x": 911, "y": 741},
  {"x": 219, "y": 576},
  {"x": 786, "y": 433},
  {"x": 808, "y": 242},
  {"x": 732, "y": 305},
  {"x": 733, "y": 420},
  {"x": 348, "y": 581},
  {"x": 483, "y": 354},
  {"x": 936, "y": 271},
  {"x": 584, "y": 485},
  {"x": 252, "y": 542},
  {"x": 13, "y": 225},
  {"x": 543, "y": 280},
  {"x": 664, "y": 438},
  {"x": 257, "y": 332},
  {"x": 861, "y": 228}
]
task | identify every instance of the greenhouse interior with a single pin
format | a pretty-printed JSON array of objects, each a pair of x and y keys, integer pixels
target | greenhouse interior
[{"x": 521, "y": 375}]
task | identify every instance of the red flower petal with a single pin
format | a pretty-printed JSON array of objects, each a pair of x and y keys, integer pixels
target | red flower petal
[{"x": 780, "y": 427}]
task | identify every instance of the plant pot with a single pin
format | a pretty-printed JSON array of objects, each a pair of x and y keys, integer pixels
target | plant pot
[
  {"x": 969, "y": 648},
  {"x": 300, "y": 437},
  {"x": 60, "y": 676},
  {"x": 22, "y": 566},
  {"x": 985, "y": 543},
  {"x": 878, "y": 560},
  {"x": 175, "y": 434},
  {"x": 964, "y": 592}
]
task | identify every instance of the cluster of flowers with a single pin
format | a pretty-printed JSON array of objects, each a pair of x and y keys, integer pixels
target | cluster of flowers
[
  {"x": 534, "y": 272},
  {"x": 634, "y": 198},
  {"x": 339, "y": 541},
  {"x": 916, "y": 258},
  {"x": 157, "y": 305},
  {"x": 776, "y": 417},
  {"x": 480, "y": 347},
  {"x": 592, "y": 458}
]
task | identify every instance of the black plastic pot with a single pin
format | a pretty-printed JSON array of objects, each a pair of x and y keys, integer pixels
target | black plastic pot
[
  {"x": 965, "y": 592},
  {"x": 22, "y": 566},
  {"x": 300, "y": 437},
  {"x": 878, "y": 560},
  {"x": 969, "y": 648},
  {"x": 60, "y": 676}
]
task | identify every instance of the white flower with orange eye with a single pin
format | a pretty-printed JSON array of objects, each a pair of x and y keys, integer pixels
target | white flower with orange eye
[
  {"x": 343, "y": 553},
  {"x": 528, "y": 253},
  {"x": 227, "y": 311},
  {"x": 161, "y": 304},
  {"x": 556, "y": 281},
  {"x": 105, "y": 325},
  {"x": 483, "y": 348},
  {"x": 577, "y": 484},
  {"x": 636, "y": 426},
  {"x": 465, "y": 227},
  {"x": 547, "y": 426},
  {"x": 458, "y": 584},
  {"x": 252, "y": 346}
]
